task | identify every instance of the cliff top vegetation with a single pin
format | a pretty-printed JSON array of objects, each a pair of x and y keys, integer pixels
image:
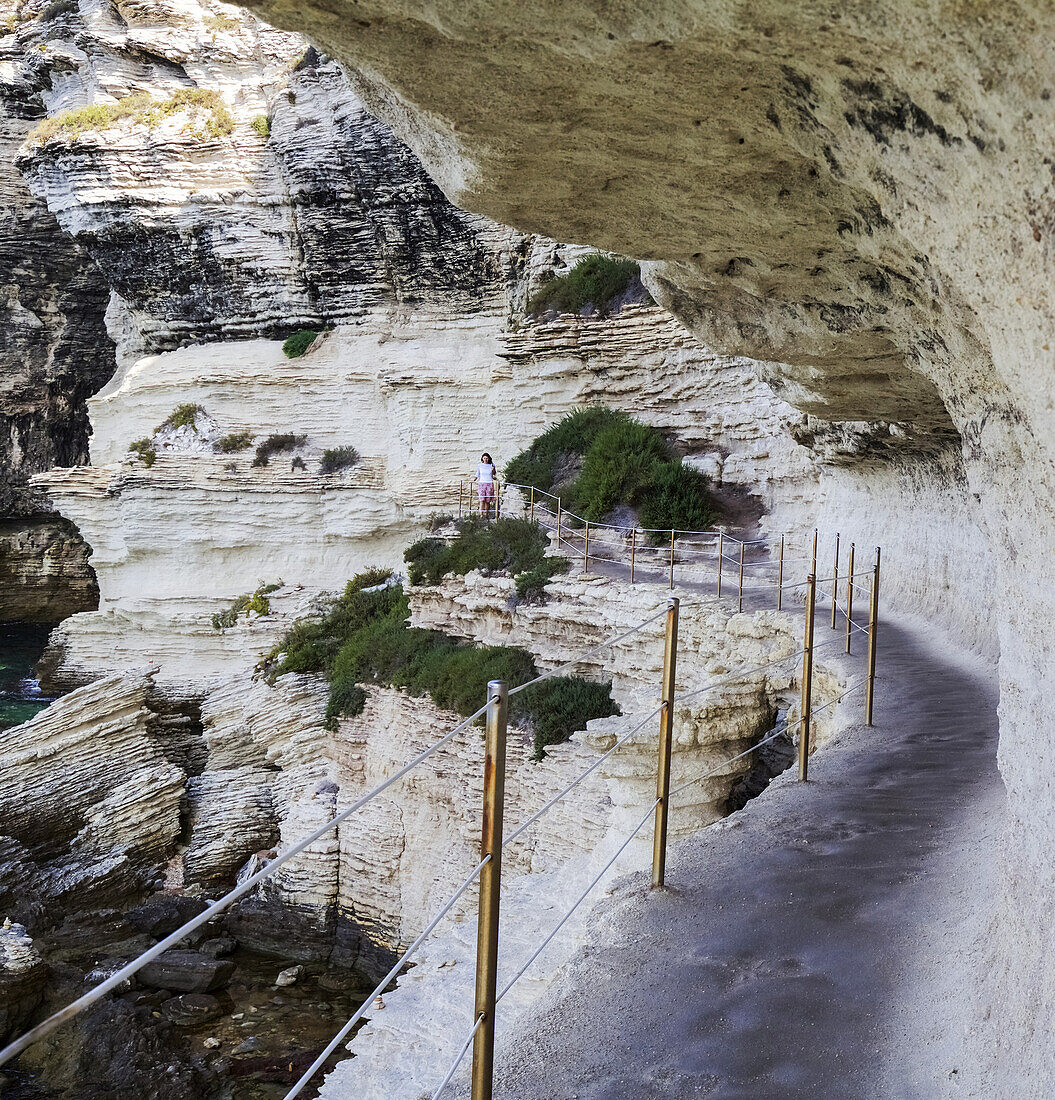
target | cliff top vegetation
[
  {"x": 597, "y": 459},
  {"x": 509, "y": 545},
  {"x": 365, "y": 638},
  {"x": 141, "y": 108},
  {"x": 596, "y": 283}
]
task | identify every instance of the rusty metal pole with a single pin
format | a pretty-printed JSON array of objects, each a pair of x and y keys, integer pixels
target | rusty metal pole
[
  {"x": 586, "y": 551},
  {"x": 721, "y": 558},
  {"x": 666, "y": 738},
  {"x": 780, "y": 575},
  {"x": 835, "y": 581},
  {"x": 813, "y": 567},
  {"x": 849, "y": 596},
  {"x": 672, "y": 559},
  {"x": 490, "y": 889},
  {"x": 807, "y": 679},
  {"x": 633, "y": 552},
  {"x": 740, "y": 582},
  {"x": 873, "y": 637}
]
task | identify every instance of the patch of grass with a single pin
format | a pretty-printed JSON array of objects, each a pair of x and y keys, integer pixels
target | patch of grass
[
  {"x": 222, "y": 22},
  {"x": 531, "y": 584},
  {"x": 141, "y": 108},
  {"x": 365, "y": 639},
  {"x": 595, "y": 281},
  {"x": 235, "y": 441},
  {"x": 297, "y": 344},
  {"x": 620, "y": 462},
  {"x": 262, "y": 125},
  {"x": 257, "y": 602},
  {"x": 145, "y": 449},
  {"x": 182, "y": 416},
  {"x": 507, "y": 545},
  {"x": 338, "y": 458},
  {"x": 275, "y": 444}
]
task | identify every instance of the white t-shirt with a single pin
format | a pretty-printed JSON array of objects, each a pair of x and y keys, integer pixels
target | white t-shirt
[{"x": 485, "y": 473}]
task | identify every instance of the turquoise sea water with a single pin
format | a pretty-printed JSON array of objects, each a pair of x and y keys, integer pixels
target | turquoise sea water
[{"x": 21, "y": 645}]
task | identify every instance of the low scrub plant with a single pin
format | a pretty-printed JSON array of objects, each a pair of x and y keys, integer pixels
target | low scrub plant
[
  {"x": 262, "y": 125},
  {"x": 338, "y": 458},
  {"x": 234, "y": 441},
  {"x": 531, "y": 584},
  {"x": 508, "y": 545},
  {"x": 182, "y": 416},
  {"x": 141, "y": 108},
  {"x": 144, "y": 448},
  {"x": 619, "y": 461},
  {"x": 596, "y": 281},
  {"x": 256, "y": 602},
  {"x": 297, "y": 344},
  {"x": 364, "y": 639},
  {"x": 275, "y": 444}
]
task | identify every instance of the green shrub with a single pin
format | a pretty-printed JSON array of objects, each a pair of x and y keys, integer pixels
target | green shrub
[
  {"x": 298, "y": 463},
  {"x": 557, "y": 707},
  {"x": 275, "y": 444},
  {"x": 364, "y": 638},
  {"x": 507, "y": 545},
  {"x": 257, "y": 602},
  {"x": 596, "y": 280},
  {"x": 235, "y": 441},
  {"x": 531, "y": 584},
  {"x": 620, "y": 462},
  {"x": 297, "y": 344},
  {"x": 262, "y": 125},
  {"x": 338, "y": 458},
  {"x": 182, "y": 416},
  {"x": 145, "y": 449}
]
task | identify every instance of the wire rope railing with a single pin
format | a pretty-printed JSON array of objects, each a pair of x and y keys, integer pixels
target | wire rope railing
[{"x": 488, "y": 870}]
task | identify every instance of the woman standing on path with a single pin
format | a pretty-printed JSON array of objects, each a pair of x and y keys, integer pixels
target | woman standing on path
[{"x": 486, "y": 474}]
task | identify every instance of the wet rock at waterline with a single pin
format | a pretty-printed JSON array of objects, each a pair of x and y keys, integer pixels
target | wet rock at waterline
[{"x": 186, "y": 971}]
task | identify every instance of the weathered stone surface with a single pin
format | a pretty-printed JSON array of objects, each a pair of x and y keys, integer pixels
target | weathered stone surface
[
  {"x": 189, "y": 1009},
  {"x": 164, "y": 913},
  {"x": 186, "y": 972},
  {"x": 23, "y": 974},
  {"x": 44, "y": 562}
]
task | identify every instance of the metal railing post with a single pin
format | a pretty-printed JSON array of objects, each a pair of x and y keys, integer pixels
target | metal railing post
[
  {"x": 461, "y": 495},
  {"x": 672, "y": 559},
  {"x": 586, "y": 550},
  {"x": 835, "y": 581},
  {"x": 780, "y": 575},
  {"x": 666, "y": 732},
  {"x": 740, "y": 582},
  {"x": 721, "y": 558},
  {"x": 633, "y": 553},
  {"x": 531, "y": 514},
  {"x": 813, "y": 567},
  {"x": 498, "y": 500},
  {"x": 558, "y": 523},
  {"x": 873, "y": 635},
  {"x": 807, "y": 679},
  {"x": 490, "y": 889},
  {"x": 849, "y": 595}
]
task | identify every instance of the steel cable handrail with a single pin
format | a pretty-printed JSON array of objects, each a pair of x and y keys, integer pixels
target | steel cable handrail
[
  {"x": 458, "y": 1060},
  {"x": 87, "y": 999},
  {"x": 582, "y": 775},
  {"x": 379, "y": 988},
  {"x": 582, "y": 897}
]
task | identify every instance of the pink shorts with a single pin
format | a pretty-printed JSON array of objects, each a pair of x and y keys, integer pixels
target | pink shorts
[{"x": 486, "y": 490}]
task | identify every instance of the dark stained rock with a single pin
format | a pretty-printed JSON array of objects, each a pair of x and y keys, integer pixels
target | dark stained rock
[
  {"x": 192, "y": 1008},
  {"x": 218, "y": 947},
  {"x": 164, "y": 913},
  {"x": 186, "y": 972}
]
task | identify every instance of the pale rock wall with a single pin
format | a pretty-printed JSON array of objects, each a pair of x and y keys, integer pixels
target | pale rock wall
[{"x": 89, "y": 800}]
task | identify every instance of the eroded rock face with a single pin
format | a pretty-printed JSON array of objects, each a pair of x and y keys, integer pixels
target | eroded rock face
[{"x": 862, "y": 194}]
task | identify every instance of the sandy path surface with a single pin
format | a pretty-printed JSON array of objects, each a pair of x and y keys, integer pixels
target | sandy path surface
[{"x": 780, "y": 960}]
